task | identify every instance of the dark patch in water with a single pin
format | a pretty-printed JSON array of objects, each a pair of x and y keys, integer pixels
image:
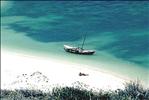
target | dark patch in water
[
  {"x": 128, "y": 47},
  {"x": 46, "y": 35}
]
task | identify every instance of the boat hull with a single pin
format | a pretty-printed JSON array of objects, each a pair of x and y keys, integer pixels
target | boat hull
[{"x": 76, "y": 50}]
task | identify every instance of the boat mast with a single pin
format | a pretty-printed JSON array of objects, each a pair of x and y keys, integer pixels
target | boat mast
[{"x": 83, "y": 41}]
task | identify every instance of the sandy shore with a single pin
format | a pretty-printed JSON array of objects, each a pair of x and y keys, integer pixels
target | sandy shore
[{"x": 13, "y": 65}]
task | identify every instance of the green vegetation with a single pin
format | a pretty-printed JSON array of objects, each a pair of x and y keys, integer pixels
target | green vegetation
[{"x": 132, "y": 91}]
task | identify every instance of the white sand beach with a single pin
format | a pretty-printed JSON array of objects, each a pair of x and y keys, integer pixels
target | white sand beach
[{"x": 63, "y": 73}]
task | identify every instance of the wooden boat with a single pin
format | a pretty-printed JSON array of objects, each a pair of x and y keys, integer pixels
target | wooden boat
[{"x": 78, "y": 50}]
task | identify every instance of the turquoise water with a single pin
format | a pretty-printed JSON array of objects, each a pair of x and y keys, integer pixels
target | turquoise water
[{"x": 117, "y": 30}]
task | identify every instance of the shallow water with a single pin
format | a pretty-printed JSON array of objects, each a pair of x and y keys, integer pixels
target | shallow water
[{"x": 117, "y": 30}]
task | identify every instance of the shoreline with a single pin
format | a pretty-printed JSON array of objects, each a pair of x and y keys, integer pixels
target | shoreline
[{"x": 58, "y": 72}]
